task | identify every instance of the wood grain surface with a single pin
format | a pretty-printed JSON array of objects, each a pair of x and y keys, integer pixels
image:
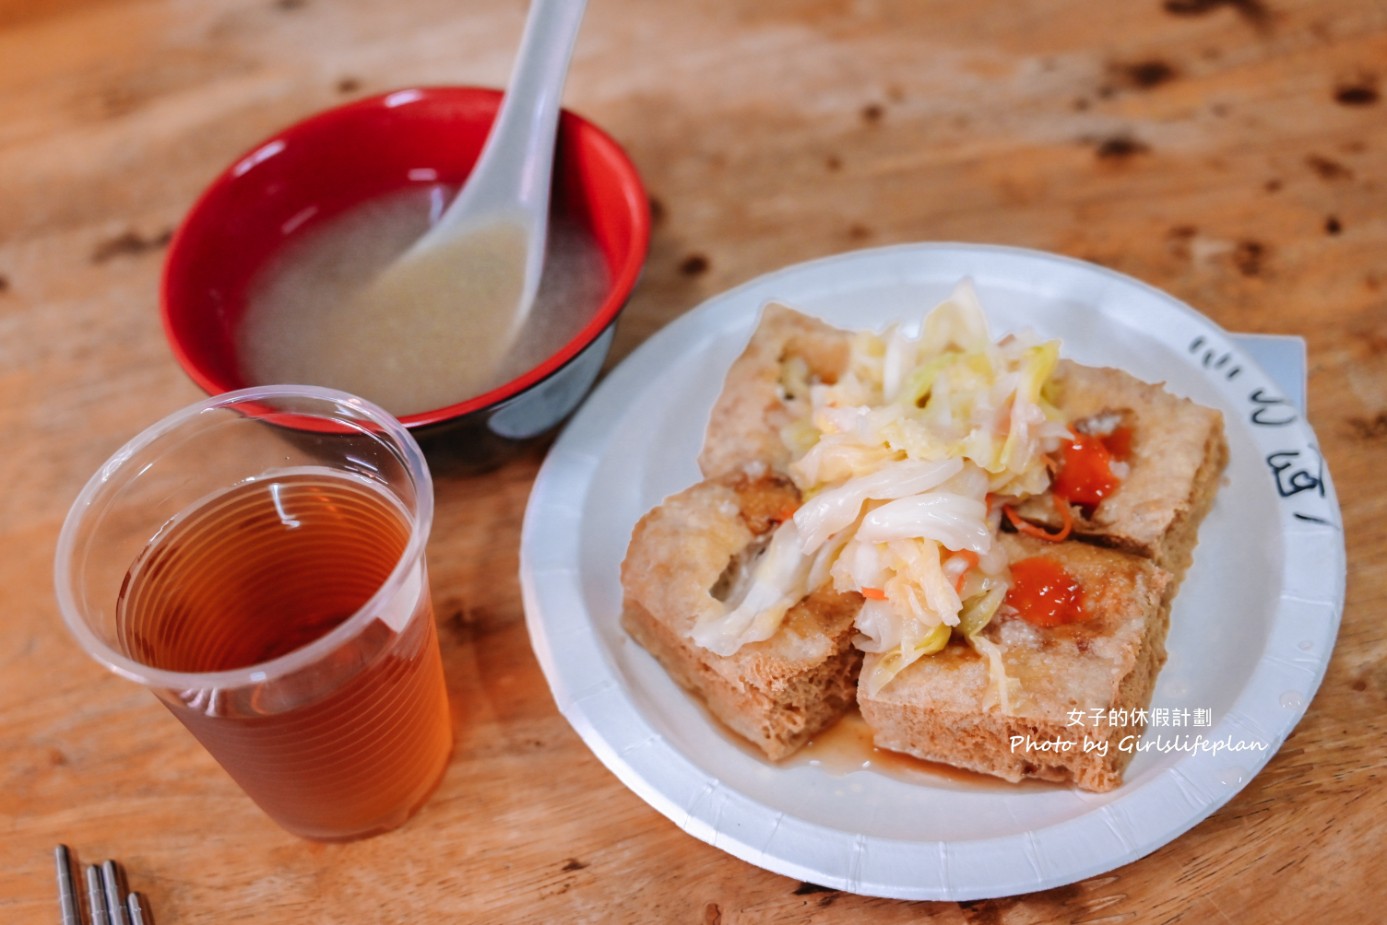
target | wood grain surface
[{"x": 1232, "y": 152}]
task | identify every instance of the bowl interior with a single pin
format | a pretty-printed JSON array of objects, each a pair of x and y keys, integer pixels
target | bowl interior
[{"x": 317, "y": 168}]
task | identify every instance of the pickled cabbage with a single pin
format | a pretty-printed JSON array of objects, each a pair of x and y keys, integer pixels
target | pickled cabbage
[{"x": 901, "y": 460}]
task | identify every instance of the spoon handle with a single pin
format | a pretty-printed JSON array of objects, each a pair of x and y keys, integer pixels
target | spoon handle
[{"x": 517, "y": 160}]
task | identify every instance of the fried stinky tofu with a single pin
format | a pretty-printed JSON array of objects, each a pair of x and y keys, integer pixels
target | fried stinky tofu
[
  {"x": 1175, "y": 460},
  {"x": 687, "y": 554},
  {"x": 757, "y": 399},
  {"x": 1081, "y": 685}
]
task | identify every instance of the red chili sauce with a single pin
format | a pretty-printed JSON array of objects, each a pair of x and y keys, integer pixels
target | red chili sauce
[
  {"x": 1085, "y": 475},
  {"x": 1044, "y": 594}
]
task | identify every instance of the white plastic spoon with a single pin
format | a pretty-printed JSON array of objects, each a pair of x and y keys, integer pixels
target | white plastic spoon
[{"x": 481, "y": 261}]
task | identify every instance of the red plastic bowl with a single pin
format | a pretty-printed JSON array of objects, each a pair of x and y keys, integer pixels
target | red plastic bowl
[{"x": 338, "y": 158}]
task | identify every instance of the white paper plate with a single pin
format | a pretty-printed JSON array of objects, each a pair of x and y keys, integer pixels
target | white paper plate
[{"x": 1252, "y": 629}]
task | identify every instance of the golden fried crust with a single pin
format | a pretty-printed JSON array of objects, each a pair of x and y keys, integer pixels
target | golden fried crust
[
  {"x": 1178, "y": 455},
  {"x": 935, "y": 709},
  {"x": 776, "y": 693},
  {"x": 744, "y": 428}
]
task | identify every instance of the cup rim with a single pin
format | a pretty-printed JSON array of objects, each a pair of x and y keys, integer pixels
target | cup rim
[
  {"x": 277, "y": 668},
  {"x": 633, "y": 202}
]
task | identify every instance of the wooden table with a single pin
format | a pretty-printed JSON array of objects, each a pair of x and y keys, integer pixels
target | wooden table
[{"x": 1233, "y": 152}]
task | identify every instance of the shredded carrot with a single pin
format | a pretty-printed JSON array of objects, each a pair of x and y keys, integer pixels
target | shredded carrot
[
  {"x": 1061, "y": 504},
  {"x": 873, "y": 594},
  {"x": 1066, "y": 521},
  {"x": 785, "y": 513}
]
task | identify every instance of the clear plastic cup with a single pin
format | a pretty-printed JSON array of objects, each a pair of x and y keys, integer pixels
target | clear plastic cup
[{"x": 257, "y": 561}]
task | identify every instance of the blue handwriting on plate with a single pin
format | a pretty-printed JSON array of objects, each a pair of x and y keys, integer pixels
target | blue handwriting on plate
[
  {"x": 1213, "y": 360},
  {"x": 1294, "y": 471},
  {"x": 1271, "y": 410}
]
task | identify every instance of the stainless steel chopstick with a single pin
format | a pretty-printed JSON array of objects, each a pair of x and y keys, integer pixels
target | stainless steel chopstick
[
  {"x": 96, "y": 896},
  {"x": 67, "y": 892},
  {"x": 115, "y": 905},
  {"x": 136, "y": 903}
]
